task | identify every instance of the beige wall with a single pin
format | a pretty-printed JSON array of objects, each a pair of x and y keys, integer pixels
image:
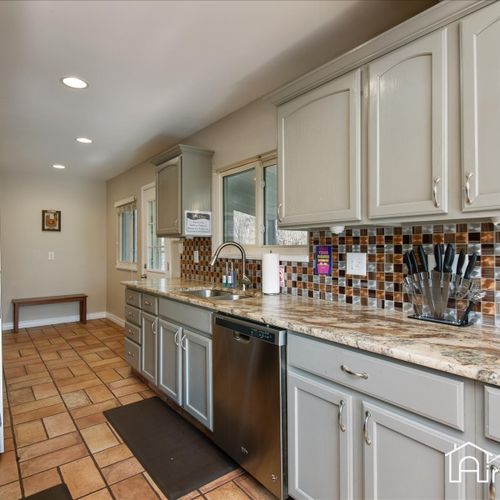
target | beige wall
[
  {"x": 80, "y": 251},
  {"x": 124, "y": 185},
  {"x": 247, "y": 132}
]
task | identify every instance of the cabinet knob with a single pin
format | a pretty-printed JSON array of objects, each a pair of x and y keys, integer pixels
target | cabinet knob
[
  {"x": 368, "y": 415},
  {"x": 342, "y": 427},
  {"x": 492, "y": 491},
  {"x": 347, "y": 370},
  {"x": 468, "y": 177},
  {"x": 435, "y": 183}
]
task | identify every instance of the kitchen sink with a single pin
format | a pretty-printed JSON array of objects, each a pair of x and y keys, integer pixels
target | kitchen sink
[{"x": 213, "y": 293}]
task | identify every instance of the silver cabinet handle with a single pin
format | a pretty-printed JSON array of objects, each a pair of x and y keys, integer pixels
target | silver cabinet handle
[
  {"x": 492, "y": 490},
  {"x": 347, "y": 370},
  {"x": 183, "y": 344},
  {"x": 341, "y": 410},
  {"x": 435, "y": 183},
  {"x": 368, "y": 415},
  {"x": 155, "y": 327},
  {"x": 468, "y": 177},
  {"x": 176, "y": 338},
  {"x": 147, "y": 303},
  {"x": 131, "y": 354},
  {"x": 176, "y": 222},
  {"x": 280, "y": 220},
  {"x": 130, "y": 297}
]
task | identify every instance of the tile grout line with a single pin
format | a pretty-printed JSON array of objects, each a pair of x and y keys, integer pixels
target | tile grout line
[{"x": 72, "y": 419}]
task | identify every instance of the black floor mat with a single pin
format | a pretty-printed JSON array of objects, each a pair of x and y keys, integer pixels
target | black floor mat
[
  {"x": 59, "y": 492},
  {"x": 175, "y": 454}
]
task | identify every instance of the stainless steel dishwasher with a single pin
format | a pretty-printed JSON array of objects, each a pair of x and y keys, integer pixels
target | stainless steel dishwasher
[{"x": 249, "y": 377}]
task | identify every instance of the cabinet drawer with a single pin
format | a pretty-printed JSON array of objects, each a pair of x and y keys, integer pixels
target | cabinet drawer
[
  {"x": 133, "y": 315},
  {"x": 150, "y": 303},
  {"x": 133, "y": 297},
  {"x": 492, "y": 413},
  {"x": 192, "y": 316},
  {"x": 133, "y": 354},
  {"x": 133, "y": 332},
  {"x": 438, "y": 397}
]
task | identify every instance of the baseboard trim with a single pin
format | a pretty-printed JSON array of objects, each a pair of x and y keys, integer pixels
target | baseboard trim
[
  {"x": 32, "y": 323},
  {"x": 115, "y": 319}
]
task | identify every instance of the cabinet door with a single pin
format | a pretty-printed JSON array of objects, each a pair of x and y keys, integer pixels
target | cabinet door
[
  {"x": 319, "y": 154},
  {"x": 407, "y": 130},
  {"x": 405, "y": 459},
  {"x": 320, "y": 440},
  {"x": 168, "y": 198},
  {"x": 197, "y": 365},
  {"x": 149, "y": 347},
  {"x": 170, "y": 360},
  {"x": 480, "y": 36}
]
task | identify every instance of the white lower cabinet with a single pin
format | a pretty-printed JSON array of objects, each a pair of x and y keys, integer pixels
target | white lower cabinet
[
  {"x": 185, "y": 369},
  {"x": 320, "y": 448},
  {"x": 197, "y": 380},
  {"x": 344, "y": 443},
  {"x": 170, "y": 354},
  {"x": 404, "y": 459},
  {"x": 148, "y": 348}
]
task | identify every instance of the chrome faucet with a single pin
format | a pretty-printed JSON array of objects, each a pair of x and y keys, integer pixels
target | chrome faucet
[{"x": 245, "y": 280}]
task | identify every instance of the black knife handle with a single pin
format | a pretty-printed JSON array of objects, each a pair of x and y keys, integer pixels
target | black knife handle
[
  {"x": 470, "y": 266},
  {"x": 423, "y": 258},
  {"x": 438, "y": 256},
  {"x": 460, "y": 263},
  {"x": 407, "y": 261},
  {"x": 449, "y": 257},
  {"x": 413, "y": 261}
]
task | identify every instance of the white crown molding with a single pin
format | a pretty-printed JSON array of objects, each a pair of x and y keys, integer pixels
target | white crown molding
[{"x": 422, "y": 24}]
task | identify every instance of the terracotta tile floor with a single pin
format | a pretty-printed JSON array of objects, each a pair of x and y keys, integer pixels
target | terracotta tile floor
[{"x": 59, "y": 379}]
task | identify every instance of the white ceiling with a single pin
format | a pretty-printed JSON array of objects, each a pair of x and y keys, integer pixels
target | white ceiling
[{"x": 158, "y": 70}]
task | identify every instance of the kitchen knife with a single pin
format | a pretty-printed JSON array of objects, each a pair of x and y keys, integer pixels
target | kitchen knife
[
  {"x": 470, "y": 266},
  {"x": 449, "y": 257},
  {"x": 408, "y": 262},
  {"x": 423, "y": 259},
  {"x": 460, "y": 263},
  {"x": 438, "y": 256},
  {"x": 413, "y": 261}
]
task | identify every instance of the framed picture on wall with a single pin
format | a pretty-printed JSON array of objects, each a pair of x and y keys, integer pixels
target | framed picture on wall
[{"x": 51, "y": 220}]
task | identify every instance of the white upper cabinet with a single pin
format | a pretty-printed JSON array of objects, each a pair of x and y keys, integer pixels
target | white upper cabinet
[
  {"x": 319, "y": 153},
  {"x": 480, "y": 39},
  {"x": 407, "y": 130}
]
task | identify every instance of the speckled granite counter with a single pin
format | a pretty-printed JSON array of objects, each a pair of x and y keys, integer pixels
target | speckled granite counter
[{"x": 472, "y": 352}]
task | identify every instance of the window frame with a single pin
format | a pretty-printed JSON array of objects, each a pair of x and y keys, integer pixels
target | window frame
[
  {"x": 122, "y": 265},
  {"x": 144, "y": 233},
  {"x": 297, "y": 253}
]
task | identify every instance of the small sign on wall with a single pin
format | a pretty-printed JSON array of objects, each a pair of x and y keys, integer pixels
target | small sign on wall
[
  {"x": 323, "y": 259},
  {"x": 197, "y": 223}
]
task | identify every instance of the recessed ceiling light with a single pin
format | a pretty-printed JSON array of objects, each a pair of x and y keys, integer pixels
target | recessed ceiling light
[
  {"x": 60, "y": 167},
  {"x": 74, "y": 82},
  {"x": 84, "y": 140}
]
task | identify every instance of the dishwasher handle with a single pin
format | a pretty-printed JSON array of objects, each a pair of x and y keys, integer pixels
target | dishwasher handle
[{"x": 241, "y": 338}]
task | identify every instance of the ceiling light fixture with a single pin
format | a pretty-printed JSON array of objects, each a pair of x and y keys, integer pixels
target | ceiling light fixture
[
  {"x": 74, "y": 82},
  {"x": 84, "y": 140},
  {"x": 60, "y": 167}
]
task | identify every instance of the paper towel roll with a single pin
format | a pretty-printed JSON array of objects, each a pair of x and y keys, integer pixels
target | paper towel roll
[{"x": 270, "y": 273}]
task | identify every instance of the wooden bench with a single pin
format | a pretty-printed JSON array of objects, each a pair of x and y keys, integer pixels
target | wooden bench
[{"x": 56, "y": 299}]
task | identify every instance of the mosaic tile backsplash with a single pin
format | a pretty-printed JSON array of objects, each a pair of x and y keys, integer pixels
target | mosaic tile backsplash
[{"x": 382, "y": 287}]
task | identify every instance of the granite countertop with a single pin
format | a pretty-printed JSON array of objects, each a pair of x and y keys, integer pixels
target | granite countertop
[{"x": 472, "y": 352}]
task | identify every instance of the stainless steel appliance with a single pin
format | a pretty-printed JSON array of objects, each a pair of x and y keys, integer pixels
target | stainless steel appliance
[{"x": 249, "y": 377}]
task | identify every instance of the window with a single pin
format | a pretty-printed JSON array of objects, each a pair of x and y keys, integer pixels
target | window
[
  {"x": 127, "y": 234},
  {"x": 250, "y": 206},
  {"x": 154, "y": 259}
]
